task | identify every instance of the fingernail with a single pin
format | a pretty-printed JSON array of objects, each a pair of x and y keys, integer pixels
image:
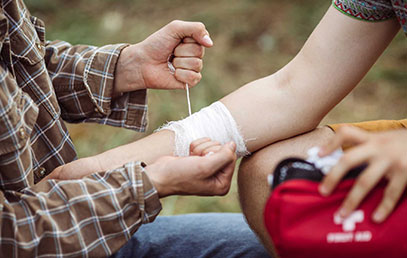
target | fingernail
[
  {"x": 208, "y": 40},
  {"x": 377, "y": 217}
]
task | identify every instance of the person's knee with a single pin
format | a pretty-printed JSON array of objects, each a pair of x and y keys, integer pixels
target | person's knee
[
  {"x": 252, "y": 176},
  {"x": 253, "y": 193},
  {"x": 252, "y": 181},
  {"x": 253, "y": 171}
]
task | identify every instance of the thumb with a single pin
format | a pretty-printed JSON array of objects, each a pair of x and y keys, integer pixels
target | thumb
[{"x": 195, "y": 30}]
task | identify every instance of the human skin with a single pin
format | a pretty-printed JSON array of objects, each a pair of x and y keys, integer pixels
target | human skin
[
  {"x": 206, "y": 172},
  {"x": 336, "y": 56},
  {"x": 254, "y": 189},
  {"x": 384, "y": 152},
  {"x": 144, "y": 65},
  {"x": 298, "y": 96}
]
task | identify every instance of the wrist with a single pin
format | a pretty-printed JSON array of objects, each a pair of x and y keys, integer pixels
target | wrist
[
  {"x": 128, "y": 73},
  {"x": 153, "y": 172}
]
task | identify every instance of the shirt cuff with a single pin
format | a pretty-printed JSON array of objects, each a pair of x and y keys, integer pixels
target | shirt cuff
[
  {"x": 144, "y": 192},
  {"x": 130, "y": 109}
]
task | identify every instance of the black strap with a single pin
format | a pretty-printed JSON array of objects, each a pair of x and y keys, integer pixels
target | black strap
[{"x": 296, "y": 168}]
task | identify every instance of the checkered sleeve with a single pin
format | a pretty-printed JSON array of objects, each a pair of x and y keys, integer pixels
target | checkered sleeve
[
  {"x": 83, "y": 80},
  {"x": 368, "y": 10},
  {"x": 91, "y": 217}
]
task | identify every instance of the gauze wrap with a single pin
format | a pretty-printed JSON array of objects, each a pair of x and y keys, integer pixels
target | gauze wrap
[{"x": 214, "y": 121}]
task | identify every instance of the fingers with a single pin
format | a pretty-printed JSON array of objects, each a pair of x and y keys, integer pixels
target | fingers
[
  {"x": 211, "y": 150},
  {"x": 349, "y": 160},
  {"x": 189, "y": 40},
  {"x": 195, "y": 30},
  {"x": 223, "y": 157},
  {"x": 203, "y": 146},
  {"x": 198, "y": 142},
  {"x": 189, "y": 50},
  {"x": 199, "y": 150},
  {"x": 188, "y": 63},
  {"x": 221, "y": 165},
  {"x": 365, "y": 182},
  {"x": 392, "y": 194},
  {"x": 187, "y": 76},
  {"x": 345, "y": 135}
]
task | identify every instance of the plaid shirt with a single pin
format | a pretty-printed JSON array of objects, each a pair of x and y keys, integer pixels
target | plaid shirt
[{"x": 41, "y": 84}]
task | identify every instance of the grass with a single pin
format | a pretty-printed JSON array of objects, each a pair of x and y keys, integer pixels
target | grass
[{"x": 253, "y": 38}]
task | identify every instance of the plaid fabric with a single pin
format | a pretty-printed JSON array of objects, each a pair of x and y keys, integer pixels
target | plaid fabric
[
  {"x": 374, "y": 10},
  {"x": 41, "y": 85}
]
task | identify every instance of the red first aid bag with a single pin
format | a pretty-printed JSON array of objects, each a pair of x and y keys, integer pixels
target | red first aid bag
[{"x": 302, "y": 223}]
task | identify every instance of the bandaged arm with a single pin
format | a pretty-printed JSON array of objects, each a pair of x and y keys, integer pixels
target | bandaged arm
[{"x": 293, "y": 100}]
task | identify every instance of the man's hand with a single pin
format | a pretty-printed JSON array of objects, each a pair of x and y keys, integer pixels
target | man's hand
[
  {"x": 144, "y": 65},
  {"x": 206, "y": 175},
  {"x": 386, "y": 156},
  {"x": 209, "y": 172}
]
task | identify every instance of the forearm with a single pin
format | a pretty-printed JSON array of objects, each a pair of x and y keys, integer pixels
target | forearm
[
  {"x": 331, "y": 63},
  {"x": 147, "y": 149},
  {"x": 295, "y": 99}
]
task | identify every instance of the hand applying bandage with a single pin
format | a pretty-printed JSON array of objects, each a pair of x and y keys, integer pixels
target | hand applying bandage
[{"x": 208, "y": 171}]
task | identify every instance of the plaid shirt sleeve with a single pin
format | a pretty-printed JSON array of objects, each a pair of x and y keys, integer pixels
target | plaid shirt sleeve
[
  {"x": 83, "y": 80},
  {"x": 93, "y": 216}
]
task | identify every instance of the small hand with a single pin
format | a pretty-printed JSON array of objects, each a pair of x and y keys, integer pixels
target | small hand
[
  {"x": 208, "y": 174},
  {"x": 386, "y": 156},
  {"x": 144, "y": 65}
]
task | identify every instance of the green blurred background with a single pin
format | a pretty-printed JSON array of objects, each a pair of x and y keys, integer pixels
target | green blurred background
[{"x": 253, "y": 38}]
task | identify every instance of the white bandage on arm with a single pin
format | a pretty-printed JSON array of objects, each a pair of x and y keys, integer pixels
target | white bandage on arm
[{"x": 214, "y": 121}]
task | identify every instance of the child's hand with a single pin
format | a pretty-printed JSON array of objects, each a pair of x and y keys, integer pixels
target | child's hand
[
  {"x": 384, "y": 152},
  {"x": 203, "y": 147}
]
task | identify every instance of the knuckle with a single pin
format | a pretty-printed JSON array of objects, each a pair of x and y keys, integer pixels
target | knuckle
[
  {"x": 198, "y": 78},
  {"x": 199, "y": 51},
  {"x": 224, "y": 189},
  {"x": 200, "y": 25},
  {"x": 193, "y": 145},
  {"x": 175, "y": 23},
  {"x": 345, "y": 131},
  {"x": 191, "y": 76},
  {"x": 198, "y": 64}
]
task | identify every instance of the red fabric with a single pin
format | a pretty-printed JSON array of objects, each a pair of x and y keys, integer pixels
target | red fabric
[{"x": 301, "y": 223}]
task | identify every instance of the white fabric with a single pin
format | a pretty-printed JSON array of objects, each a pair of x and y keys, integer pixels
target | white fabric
[
  {"x": 325, "y": 163},
  {"x": 214, "y": 122}
]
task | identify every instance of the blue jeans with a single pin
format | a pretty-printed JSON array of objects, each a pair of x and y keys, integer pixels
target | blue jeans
[{"x": 194, "y": 235}]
